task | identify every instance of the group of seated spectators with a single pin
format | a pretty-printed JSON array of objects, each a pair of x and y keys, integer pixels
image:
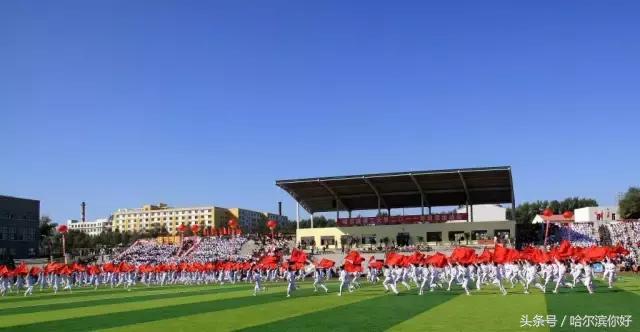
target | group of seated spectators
[
  {"x": 148, "y": 252},
  {"x": 190, "y": 250},
  {"x": 580, "y": 234},
  {"x": 266, "y": 245},
  {"x": 217, "y": 248}
]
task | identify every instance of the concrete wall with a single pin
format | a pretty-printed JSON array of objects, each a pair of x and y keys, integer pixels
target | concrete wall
[
  {"x": 414, "y": 230},
  {"x": 590, "y": 214},
  {"x": 486, "y": 212}
]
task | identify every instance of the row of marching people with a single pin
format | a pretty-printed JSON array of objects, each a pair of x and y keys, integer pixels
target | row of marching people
[{"x": 563, "y": 266}]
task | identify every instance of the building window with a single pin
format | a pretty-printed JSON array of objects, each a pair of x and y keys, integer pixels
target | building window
[
  {"x": 479, "y": 235},
  {"x": 434, "y": 236},
  {"x": 327, "y": 240},
  {"x": 456, "y": 236}
]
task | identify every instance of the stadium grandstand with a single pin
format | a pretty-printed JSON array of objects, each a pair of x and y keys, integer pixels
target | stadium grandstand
[{"x": 482, "y": 189}]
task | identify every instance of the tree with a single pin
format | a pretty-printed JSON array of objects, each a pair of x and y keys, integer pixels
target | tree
[
  {"x": 629, "y": 205},
  {"x": 525, "y": 212},
  {"x": 47, "y": 228}
]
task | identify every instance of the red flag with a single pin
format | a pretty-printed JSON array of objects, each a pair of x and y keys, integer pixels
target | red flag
[
  {"x": 394, "y": 259},
  {"x": 463, "y": 255},
  {"x": 21, "y": 269},
  {"x": 596, "y": 253},
  {"x": 326, "y": 263},
  {"x": 485, "y": 257},
  {"x": 298, "y": 256},
  {"x": 500, "y": 254},
  {"x": 350, "y": 267},
  {"x": 437, "y": 260},
  {"x": 354, "y": 257},
  {"x": 416, "y": 258},
  {"x": 34, "y": 271}
]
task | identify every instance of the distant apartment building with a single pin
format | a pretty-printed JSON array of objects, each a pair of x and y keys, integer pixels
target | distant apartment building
[
  {"x": 157, "y": 216},
  {"x": 92, "y": 228},
  {"x": 19, "y": 227},
  {"x": 277, "y": 217}
]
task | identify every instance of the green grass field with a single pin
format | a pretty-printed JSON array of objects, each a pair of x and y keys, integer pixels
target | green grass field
[{"x": 232, "y": 307}]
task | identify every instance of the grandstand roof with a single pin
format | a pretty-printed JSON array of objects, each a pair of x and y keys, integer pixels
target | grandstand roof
[{"x": 450, "y": 187}]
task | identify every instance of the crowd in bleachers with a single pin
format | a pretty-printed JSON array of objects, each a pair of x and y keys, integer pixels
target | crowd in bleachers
[
  {"x": 190, "y": 250},
  {"x": 217, "y": 248},
  {"x": 266, "y": 245},
  {"x": 579, "y": 234},
  {"x": 148, "y": 252}
]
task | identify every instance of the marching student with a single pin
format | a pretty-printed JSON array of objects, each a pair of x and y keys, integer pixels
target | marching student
[
  {"x": 344, "y": 280},
  {"x": 562, "y": 269},
  {"x": 291, "y": 279},
  {"x": 318, "y": 280},
  {"x": 389, "y": 280},
  {"x": 588, "y": 276},
  {"x": 609, "y": 272},
  {"x": 257, "y": 278}
]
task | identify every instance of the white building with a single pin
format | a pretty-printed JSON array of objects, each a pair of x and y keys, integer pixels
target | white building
[
  {"x": 597, "y": 213},
  {"x": 92, "y": 228},
  {"x": 485, "y": 212}
]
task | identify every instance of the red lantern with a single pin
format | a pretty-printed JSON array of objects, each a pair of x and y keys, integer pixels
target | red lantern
[
  {"x": 567, "y": 214},
  {"x": 232, "y": 223},
  {"x": 181, "y": 228},
  {"x": 272, "y": 224},
  {"x": 63, "y": 229},
  {"x": 547, "y": 212},
  {"x": 195, "y": 228}
]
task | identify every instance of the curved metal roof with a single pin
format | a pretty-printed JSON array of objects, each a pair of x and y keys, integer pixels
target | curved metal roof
[{"x": 450, "y": 187}]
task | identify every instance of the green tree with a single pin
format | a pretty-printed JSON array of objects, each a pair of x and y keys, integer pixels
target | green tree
[
  {"x": 629, "y": 205},
  {"x": 47, "y": 230},
  {"x": 525, "y": 212}
]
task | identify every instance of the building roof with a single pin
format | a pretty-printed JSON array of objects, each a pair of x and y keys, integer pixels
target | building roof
[
  {"x": 451, "y": 187},
  {"x": 556, "y": 218}
]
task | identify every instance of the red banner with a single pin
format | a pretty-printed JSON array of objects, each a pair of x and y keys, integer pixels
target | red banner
[{"x": 396, "y": 220}]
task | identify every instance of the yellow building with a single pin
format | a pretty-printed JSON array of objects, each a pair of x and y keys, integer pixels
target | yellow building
[{"x": 156, "y": 216}]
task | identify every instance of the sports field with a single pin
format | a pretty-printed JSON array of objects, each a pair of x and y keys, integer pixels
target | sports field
[{"x": 232, "y": 307}]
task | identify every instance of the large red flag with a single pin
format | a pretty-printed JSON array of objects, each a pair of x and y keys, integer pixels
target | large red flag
[
  {"x": 326, "y": 263},
  {"x": 463, "y": 255},
  {"x": 350, "y": 267},
  {"x": 354, "y": 257},
  {"x": 437, "y": 260},
  {"x": 298, "y": 256},
  {"x": 500, "y": 254},
  {"x": 394, "y": 259}
]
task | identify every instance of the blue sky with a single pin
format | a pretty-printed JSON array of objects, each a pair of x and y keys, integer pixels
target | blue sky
[{"x": 121, "y": 103}]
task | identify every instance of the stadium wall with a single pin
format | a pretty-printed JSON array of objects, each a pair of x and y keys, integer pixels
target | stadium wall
[{"x": 449, "y": 232}]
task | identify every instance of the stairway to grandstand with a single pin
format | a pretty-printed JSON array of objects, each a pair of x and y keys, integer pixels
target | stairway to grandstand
[{"x": 248, "y": 248}]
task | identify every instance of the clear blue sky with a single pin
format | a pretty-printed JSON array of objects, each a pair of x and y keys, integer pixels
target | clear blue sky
[{"x": 121, "y": 103}]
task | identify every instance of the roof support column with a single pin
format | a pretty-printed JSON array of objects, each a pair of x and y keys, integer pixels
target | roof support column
[
  {"x": 422, "y": 197},
  {"x": 513, "y": 197},
  {"x": 311, "y": 219},
  {"x": 380, "y": 199},
  {"x": 466, "y": 192},
  {"x": 297, "y": 215},
  {"x": 467, "y": 212}
]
